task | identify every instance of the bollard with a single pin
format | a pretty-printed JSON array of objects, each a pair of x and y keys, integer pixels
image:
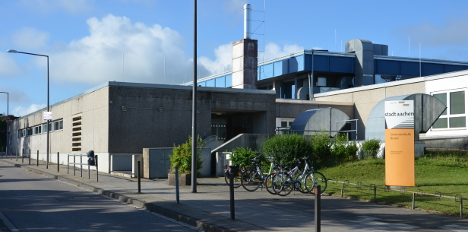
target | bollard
[
  {"x": 97, "y": 173},
  {"x": 318, "y": 208},
  {"x": 375, "y": 194},
  {"x": 342, "y": 190},
  {"x": 29, "y": 158},
  {"x": 81, "y": 165},
  {"x": 231, "y": 195},
  {"x": 58, "y": 162},
  {"x": 22, "y": 157},
  {"x": 139, "y": 177},
  {"x": 461, "y": 206},
  {"x": 74, "y": 169},
  {"x": 17, "y": 156},
  {"x": 37, "y": 158},
  {"x": 89, "y": 171},
  {"x": 177, "y": 184},
  {"x": 413, "y": 201}
]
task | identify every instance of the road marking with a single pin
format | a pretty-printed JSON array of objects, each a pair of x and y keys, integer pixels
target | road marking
[
  {"x": 367, "y": 222},
  {"x": 455, "y": 228}
]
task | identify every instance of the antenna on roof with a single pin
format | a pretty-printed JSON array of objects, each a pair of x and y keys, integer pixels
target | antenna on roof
[{"x": 123, "y": 67}]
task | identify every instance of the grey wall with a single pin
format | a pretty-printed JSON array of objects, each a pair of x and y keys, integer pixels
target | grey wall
[{"x": 161, "y": 116}]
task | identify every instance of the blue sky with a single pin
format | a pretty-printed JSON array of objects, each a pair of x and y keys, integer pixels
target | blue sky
[{"x": 93, "y": 41}]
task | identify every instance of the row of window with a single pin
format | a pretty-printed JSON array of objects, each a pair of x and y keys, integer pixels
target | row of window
[
  {"x": 454, "y": 116},
  {"x": 39, "y": 129}
]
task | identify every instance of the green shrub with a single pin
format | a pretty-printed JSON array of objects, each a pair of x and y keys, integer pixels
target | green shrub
[
  {"x": 339, "y": 148},
  {"x": 351, "y": 150},
  {"x": 243, "y": 157},
  {"x": 182, "y": 156},
  {"x": 322, "y": 149},
  {"x": 371, "y": 147},
  {"x": 286, "y": 148}
]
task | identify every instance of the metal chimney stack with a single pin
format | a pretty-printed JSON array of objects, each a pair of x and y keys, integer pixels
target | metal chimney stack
[{"x": 247, "y": 21}]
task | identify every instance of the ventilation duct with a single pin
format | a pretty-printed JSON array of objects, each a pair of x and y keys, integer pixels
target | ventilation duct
[
  {"x": 427, "y": 110},
  {"x": 328, "y": 119}
]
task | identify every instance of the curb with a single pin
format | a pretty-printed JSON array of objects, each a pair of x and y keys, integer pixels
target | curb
[{"x": 198, "y": 223}]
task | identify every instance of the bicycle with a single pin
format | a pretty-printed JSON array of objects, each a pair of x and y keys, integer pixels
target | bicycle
[
  {"x": 304, "y": 181},
  {"x": 253, "y": 178}
]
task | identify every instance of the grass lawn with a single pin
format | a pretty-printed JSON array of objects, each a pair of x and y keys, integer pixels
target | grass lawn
[{"x": 443, "y": 174}]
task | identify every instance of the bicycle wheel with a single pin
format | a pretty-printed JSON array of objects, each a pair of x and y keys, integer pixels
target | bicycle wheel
[
  {"x": 286, "y": 184},
  {"x": 316, "y": 178},
  {"x": 251, "y": 180},
  {"x": 237, "y": 179},
  {"x": 269, "y": 184}
]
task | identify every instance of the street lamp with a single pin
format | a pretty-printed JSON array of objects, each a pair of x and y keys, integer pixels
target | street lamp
[
  {"x": 8, "y": 107},
  {"x": 48, "y": 105}
]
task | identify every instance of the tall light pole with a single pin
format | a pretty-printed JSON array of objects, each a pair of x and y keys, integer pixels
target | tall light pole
[
  {"x": 194, "y": 102},
  {"x": 48, "y": 105},
  {"x": 8, "y": 113}
]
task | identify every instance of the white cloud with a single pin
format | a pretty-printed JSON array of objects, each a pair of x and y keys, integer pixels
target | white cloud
[
  {"x": 273, "y": 50},
  {"x": 70, "y": 6},
  {"x": 21, "y": 111},
  {"x": 223, "y": 61},
  {"x": 452, "y": 33},
  {"x": 9, "y": 66},
  {"x": 118, "y": 50},
  {"x": 30, "y": 38}
]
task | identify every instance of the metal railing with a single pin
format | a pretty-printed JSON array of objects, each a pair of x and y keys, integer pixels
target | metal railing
[
  {"x": 359, "y": 185},
  {"x": 81, "y": 165}
]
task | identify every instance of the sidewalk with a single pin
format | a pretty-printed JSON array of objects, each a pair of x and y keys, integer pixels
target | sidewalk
[{"x": 209, "y": 208}]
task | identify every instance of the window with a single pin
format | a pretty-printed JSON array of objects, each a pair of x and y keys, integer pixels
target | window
[{"x": 454, "y": 116}]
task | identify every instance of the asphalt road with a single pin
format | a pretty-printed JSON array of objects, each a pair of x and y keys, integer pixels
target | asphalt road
[{"x": 33, "y": 202}]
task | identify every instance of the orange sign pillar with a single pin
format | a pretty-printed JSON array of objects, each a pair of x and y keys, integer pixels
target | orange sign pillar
[{"x": 399, "y": 143}]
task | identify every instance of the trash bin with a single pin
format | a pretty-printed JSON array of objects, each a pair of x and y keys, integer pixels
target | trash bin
[
  {"x": 91, "y": 160},
  {"x": 233, "y": 170}
]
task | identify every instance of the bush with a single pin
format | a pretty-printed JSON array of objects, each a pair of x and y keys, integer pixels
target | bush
[
  {"x": 371, "y": 147},
  {"x": 322, "y": 148},
  {"x": 286, "y": 148},
  {"x": 339, "y": 148},
  {"x": 351, "y": 150},
  {"x": 182, "y": 156},
  {"x": 243, "y": 157}
]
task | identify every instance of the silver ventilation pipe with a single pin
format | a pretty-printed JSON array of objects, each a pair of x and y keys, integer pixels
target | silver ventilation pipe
[{"x": 247, "y": 10}]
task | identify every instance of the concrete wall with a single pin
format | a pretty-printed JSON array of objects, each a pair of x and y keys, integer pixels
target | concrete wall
[
  {"x": 161, "y": 117},
  {"x": 94, "y": 109}
]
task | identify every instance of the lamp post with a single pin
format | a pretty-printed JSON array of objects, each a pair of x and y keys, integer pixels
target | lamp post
[
  {"x": 8, "y": 113},
  {"x": 48, "y": 105}
]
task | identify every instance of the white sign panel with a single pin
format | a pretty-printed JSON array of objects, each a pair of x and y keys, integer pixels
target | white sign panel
[
  {"x": 399, "y": 114},
  {"x": 47, "y": 115}
]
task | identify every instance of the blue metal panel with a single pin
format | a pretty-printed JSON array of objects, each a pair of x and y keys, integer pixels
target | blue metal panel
[
  {"x": 296, "y": 64},
  {"x": 221, "y": 81},
  {"x": 210, "y": 83},
  {"x": 260, "y": 72},
  {"x": 453, "y": 68},
  {"x": 229, "y": 80},
  {"x": 308, "y": 62},
  {"x": 202, "y": 83},
  {"x": 431, "y": 69},
  {"x": 410, "y": 68},
  {"x": 341, "y": 64},
  {"x": 300, "y": 63},
  {"x": 387, "y": 67},
  {"x": 269, "y": 70},
  {"x": 321, "y": 63},
  {"x": 280, "y": 67}
]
